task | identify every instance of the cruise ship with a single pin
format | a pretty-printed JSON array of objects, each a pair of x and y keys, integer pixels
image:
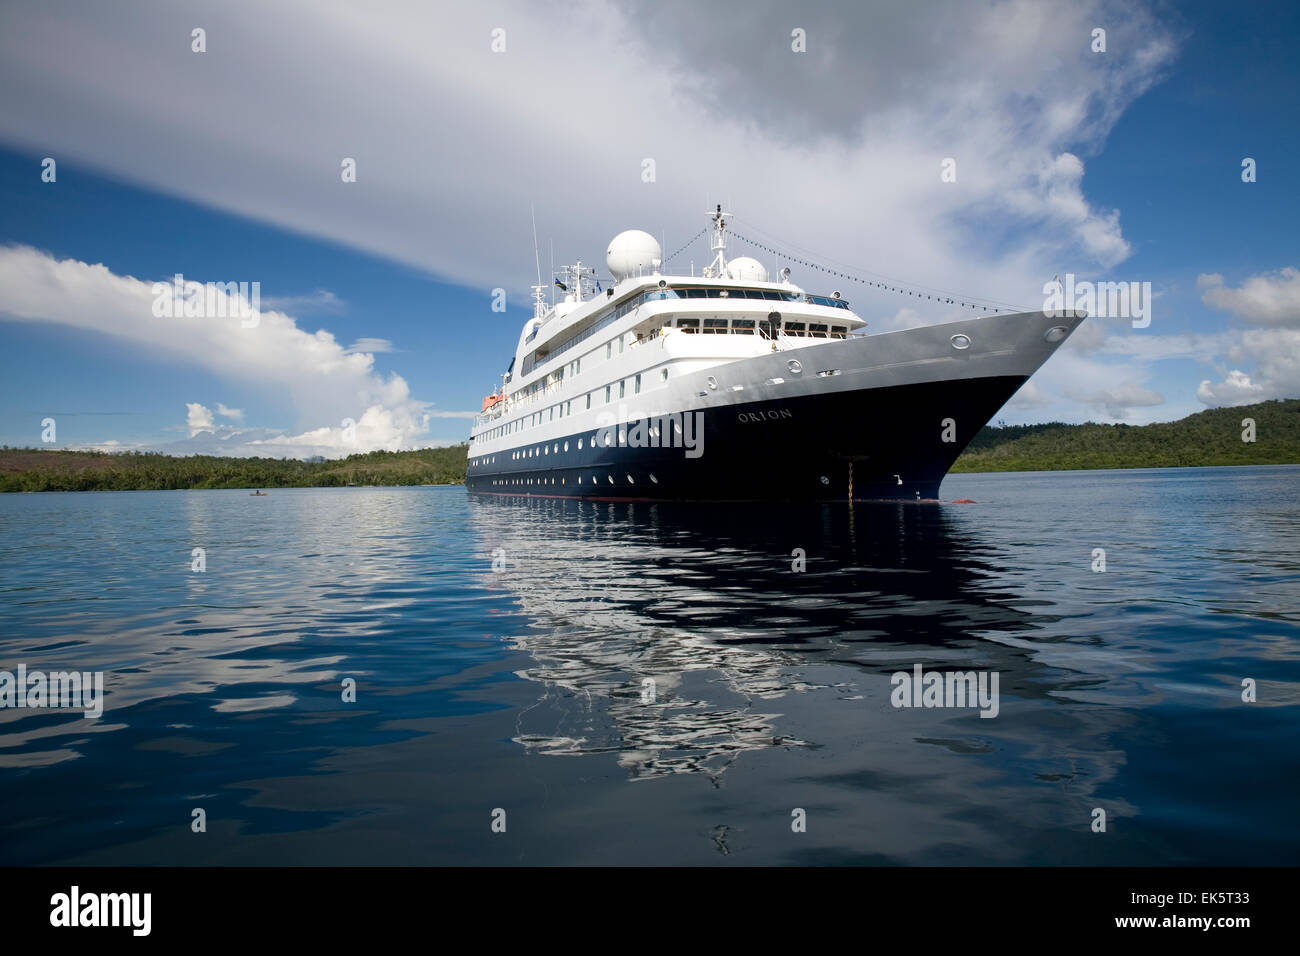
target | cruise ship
[{"x": 732, "y": 386}]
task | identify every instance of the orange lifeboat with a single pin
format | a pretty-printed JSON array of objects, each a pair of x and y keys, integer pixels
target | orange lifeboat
[{"x": 493, "y": 399}]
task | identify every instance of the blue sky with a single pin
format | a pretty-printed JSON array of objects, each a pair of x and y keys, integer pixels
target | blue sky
[{"x": 224, "y": 166}]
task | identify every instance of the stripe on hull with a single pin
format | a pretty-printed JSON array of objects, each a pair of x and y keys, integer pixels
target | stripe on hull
[{"x": 887, "y": 442}]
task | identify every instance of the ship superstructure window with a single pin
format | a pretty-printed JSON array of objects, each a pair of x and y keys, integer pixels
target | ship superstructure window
[
  {"x": 688, "y": 325},
  {"x": 622, "y": 387},
  {"x": 839, "y": 331},
  {"x": 609, "y": 350},
  {"x": 817, "y": 331},
  {"x": 663, "y": 374},
  {"x": 589, "y": 399},
  {"x": 715, "y": 326},
  {"x": 638, "y": 383},
  {"x": 795, "y": 328}
]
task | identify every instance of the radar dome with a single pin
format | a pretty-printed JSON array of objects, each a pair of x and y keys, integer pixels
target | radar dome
[
  {"x": 745, "y": 269},
  {"x": 632, "y": 253}
]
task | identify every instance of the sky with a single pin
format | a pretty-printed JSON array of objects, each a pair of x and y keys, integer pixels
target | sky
[{"x": 979, "y": 148}]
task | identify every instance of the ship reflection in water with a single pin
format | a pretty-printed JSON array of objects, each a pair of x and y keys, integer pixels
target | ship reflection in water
[{"x": 672, "y": 634}]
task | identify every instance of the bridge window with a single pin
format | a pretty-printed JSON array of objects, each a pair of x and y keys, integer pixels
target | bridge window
[{"x": 715, "y": 326}]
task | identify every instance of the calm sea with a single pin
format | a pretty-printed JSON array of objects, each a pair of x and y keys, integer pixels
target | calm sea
[{"x": 659, "y": 683}]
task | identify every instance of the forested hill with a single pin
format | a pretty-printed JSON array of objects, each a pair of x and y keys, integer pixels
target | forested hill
[
  {"x": 1208, "y": 438},
  {"x": 39, "y": 470},
  {"x": 1212, "y": 437}
]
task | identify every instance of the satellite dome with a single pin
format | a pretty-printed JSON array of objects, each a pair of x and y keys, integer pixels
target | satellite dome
[
  {"x": 745, "y": 269},
  {"x": 632, "y": 253}
]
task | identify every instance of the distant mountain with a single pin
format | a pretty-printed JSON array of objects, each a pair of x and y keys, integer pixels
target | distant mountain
[{"x": 1212, "y": 437}]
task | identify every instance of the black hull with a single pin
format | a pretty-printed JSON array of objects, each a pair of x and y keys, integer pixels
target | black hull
[{"x": 878, "y": 443}]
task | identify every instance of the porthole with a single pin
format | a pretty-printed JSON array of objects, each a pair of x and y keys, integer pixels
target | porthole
[
  {"x": 1055, "y": 334},
  {"x": 557, "y": 448},
  {"x": 654, "y": 480},
  {"x": 611, "y": 478},
  {"x": 566, "y": 446},
  {"x": 630, "y": 481},
  {"x": 545, "y": 450},
  {"x": 794, "y": 366},
  {"x": 960, "y": 342},
  {"x": 825, "y": 480},
  {"x": 712, "y": 383},
  {"x": 579, "y": 444},
  {"x": 663, "y": 375}
]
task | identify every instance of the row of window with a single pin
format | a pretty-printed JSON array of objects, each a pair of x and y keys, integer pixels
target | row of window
[
  {"x": 595, "y": 480},
  {"x": 564, "y": 409},
  {"x": 654, "y": 295},
  {"x": 550, "y": 448}
]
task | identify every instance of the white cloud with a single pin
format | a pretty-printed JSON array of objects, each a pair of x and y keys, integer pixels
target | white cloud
[
  {"x": 1030, "y": 396},
  {"x": 322, "y": 300},
  {"x": 372, "y": 346},
  {"x": 1236, "y": 389},
  {"x": 1118, "y": 400},
  {"x": 838, "y": 150},
  {"x": 234, "y": 414},
  {"x": 1271, "y": 299},
  {"x": 199, "y": 418},
  {"x": 322, "y": 381}
]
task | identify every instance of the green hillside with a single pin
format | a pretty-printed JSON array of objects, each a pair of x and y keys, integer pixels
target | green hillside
[
  {"x": 41, "y": 470},
  {"x": 1212, "y": 437}
]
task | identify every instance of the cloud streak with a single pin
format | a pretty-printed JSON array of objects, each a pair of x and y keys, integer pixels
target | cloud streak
[{"x": 340, "y": 402}]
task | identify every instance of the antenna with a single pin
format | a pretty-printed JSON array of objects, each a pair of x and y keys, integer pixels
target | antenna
[
  {"x": 539, "y": 290},
  {"x": 536, "y": 253}
]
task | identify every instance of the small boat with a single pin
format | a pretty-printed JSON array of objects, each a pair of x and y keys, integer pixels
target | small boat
[{"x": 257, "y": 494}]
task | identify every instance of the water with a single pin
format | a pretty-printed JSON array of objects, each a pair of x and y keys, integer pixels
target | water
[{"x": 521, "y": 689}]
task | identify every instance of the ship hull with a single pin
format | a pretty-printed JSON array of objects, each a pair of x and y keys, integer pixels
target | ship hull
[{"x": 880, "y": 417}]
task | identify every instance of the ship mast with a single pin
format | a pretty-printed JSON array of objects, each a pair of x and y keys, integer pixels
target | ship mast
[{"x": 719, "y": 265}]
